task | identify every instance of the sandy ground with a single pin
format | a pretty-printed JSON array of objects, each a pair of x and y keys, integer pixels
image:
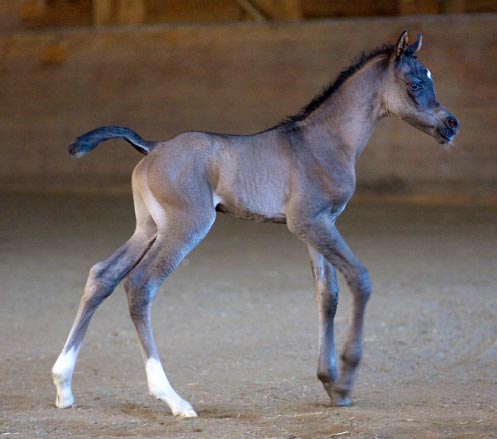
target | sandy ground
[{"x": 236, "y": 327}]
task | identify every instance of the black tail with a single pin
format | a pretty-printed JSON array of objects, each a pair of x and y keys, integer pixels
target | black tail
[{"x": 87, "y": 142}]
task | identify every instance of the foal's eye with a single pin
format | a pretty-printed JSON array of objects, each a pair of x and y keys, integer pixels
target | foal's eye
[{"x": 414, "y": 86}]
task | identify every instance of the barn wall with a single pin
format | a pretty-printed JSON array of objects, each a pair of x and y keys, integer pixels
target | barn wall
[{"x": 162, "y": 80}]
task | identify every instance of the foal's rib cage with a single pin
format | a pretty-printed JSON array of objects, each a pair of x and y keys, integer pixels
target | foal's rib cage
[{"x": 301, "y": 172}]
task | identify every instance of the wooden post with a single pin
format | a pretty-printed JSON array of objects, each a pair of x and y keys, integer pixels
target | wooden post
[{"x": 118, "y": 11}]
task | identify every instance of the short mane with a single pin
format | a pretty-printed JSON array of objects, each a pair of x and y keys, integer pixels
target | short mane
[{"x": 318, "y": 100}]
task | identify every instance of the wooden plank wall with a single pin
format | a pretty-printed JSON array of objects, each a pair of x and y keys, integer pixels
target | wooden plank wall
[
  {"x": 47, "y": 13},
  {"x": 242, "y": 78}
]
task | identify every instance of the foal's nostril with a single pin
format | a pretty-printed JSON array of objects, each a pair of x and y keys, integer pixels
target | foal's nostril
[{"x": 452, "y": 122}]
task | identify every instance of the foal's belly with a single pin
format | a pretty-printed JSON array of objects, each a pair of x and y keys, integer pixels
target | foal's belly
[
  {"x": 252, "y": 191},
  {"x": 259, "y": 216}
]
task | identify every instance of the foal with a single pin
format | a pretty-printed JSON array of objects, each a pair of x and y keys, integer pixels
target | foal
[{"x": 300, "y": 172}]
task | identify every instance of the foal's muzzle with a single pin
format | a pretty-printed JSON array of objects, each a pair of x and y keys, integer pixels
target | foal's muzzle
[{"x": 448, "y": 130}]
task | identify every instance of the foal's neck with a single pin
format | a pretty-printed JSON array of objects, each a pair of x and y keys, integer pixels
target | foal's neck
[{"x": 349, "y": 117}]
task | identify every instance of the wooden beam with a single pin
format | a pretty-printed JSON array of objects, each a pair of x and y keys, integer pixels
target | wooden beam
[{"x": 252, "y": 10}]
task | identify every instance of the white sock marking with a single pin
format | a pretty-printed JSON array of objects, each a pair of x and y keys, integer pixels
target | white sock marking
[
  {"x": 159, "y": 386},
  {"x": 62, "y": 376}
]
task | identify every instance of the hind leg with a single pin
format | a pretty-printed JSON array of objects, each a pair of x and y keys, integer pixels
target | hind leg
[
  {"x": 103, "y": 278},
  {"x": 176, "y": 237}
]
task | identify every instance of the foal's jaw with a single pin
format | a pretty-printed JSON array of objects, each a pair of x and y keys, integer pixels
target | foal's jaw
[
  {"x": 442, "y": 125},
  {"x": 438, "y": 128}
]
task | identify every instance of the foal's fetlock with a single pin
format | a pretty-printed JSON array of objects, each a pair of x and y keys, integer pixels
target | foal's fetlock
[{"x": 328, "y": 377}]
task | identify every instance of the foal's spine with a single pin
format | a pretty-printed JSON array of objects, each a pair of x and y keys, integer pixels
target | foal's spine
[{"x": 87, "y": 142}]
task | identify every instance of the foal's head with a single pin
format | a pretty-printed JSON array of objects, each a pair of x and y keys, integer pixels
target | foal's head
[{"x": 409, "y": 94}]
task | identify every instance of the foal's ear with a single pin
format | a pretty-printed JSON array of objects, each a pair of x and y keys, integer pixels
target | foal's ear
[
  {"x": 402, "y": 44},
  {"x": 413, "y": 48}
]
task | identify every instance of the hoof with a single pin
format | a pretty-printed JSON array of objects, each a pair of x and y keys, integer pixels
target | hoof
[
  {"x": 338, "y": 397},
  {"x": 189, "y": 413},
  {"x": 182, "y": 409},
  {"x": 64, "y": 402},
  {"x": 343, "y": 401}
]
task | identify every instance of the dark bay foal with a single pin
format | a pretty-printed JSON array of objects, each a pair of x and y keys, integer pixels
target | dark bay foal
[{"x": 301, "y": 172}]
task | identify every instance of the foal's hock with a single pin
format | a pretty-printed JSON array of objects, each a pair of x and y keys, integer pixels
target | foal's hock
[{"x": 300, "y": 172}]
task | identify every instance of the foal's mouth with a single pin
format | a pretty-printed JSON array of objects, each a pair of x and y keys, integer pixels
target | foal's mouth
[
  {"x": 444, "y": 137},
  {"x": 443, "y": 134}
]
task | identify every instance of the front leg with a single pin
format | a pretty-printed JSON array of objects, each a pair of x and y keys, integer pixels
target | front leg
[
  {"x": 326, "y": 296},
  {"x": 320, "y": 233}
]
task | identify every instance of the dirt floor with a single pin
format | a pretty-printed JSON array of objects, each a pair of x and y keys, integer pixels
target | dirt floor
[{"x": 236, "y": 327}]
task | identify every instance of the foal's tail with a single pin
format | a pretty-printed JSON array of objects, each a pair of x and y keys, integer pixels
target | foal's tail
[{"x": 87, "y": 142}]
